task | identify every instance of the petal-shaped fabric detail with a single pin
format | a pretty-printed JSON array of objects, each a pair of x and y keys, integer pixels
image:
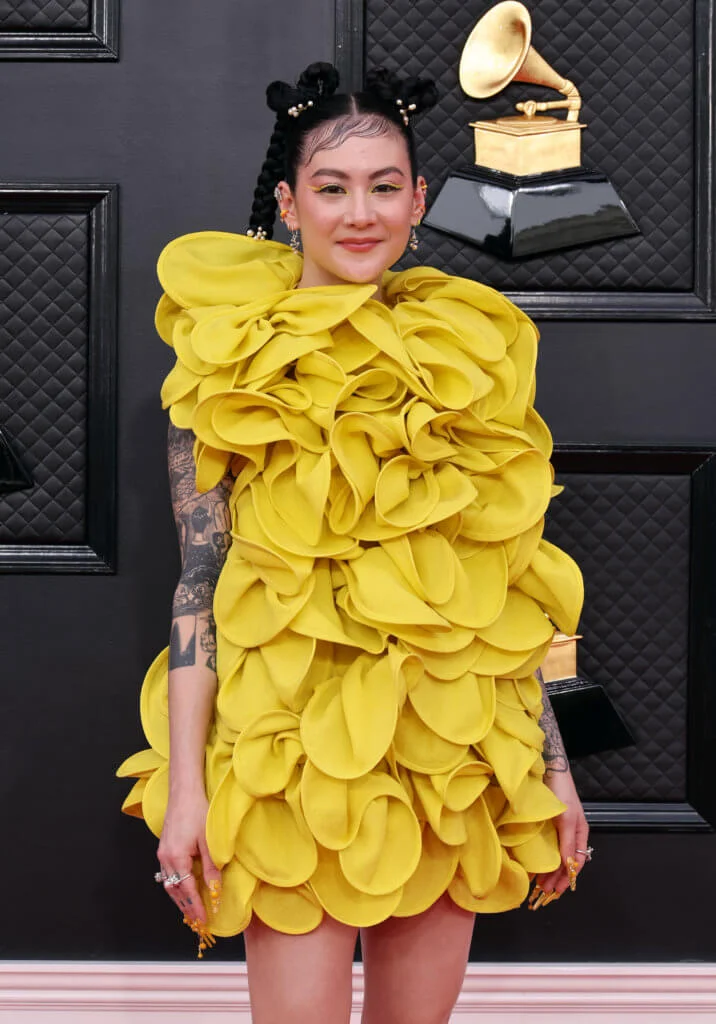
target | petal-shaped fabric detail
[
  {"x": 419, "y": 747},
  {"x": 346, "y": 903},
  {"x": 251, "y": 613},
  {"x": 480, "y": 591},
  {"x": 461, "y": 710},
  {"x": 287, "y": 863},
  {"x": 349, "y": 721},
  {"x": 460, "y": 787},
  {"x": 509, "y": 892},
  {"x": 449, "y": 826},
  {"x": 154, "y": 704},
  {"x": 154, "y": 799},
  {"x": 141, "y": 765},
  {"x": 132, "y": 804},
  {"x": 521, "y": 623},
  {"x": 266, "y": 753},
  {"x": 555, "y": 581},
  {"x": 247, "y": 693},
  {"x": 481, "y": 855},
  {"x": 293, "y": 911},
  {"x": 431, "y": 878},
  {"x": 229, "y": 806},
  {"x": 540, "y": 853},
  {"x": 386, "y": 848},
  {"x": 380, "y": 593}
]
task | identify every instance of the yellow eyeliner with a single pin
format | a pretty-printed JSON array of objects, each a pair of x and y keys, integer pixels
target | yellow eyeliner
[{"x": 345, "y": 192}]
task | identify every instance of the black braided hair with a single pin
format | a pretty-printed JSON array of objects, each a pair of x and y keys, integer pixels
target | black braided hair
[{"x": 315, "y": 101}]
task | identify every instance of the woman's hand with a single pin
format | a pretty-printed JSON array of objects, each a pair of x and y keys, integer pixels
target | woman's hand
[
  {"x": 183, "y": 839},
  {"x": 572, "y": 831}
]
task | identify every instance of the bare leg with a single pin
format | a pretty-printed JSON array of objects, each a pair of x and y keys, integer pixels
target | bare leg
[
  {"x": 297, "y": 979},
  {"x": 414, "y": 966}
]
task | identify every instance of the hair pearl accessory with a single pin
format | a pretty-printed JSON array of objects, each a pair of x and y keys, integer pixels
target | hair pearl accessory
[
  {"x": 260, "y": 234},
  {"x": 299, "y": 108},
  {"x": 405, "y": 112}
]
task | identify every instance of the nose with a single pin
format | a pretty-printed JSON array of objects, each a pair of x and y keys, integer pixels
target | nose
[{"x": 360, "y": 211}]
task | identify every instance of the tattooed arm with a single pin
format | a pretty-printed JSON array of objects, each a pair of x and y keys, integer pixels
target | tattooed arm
[
  {"x": 203, "y": 523},
  {"x": 571, "y": 824},
  {"x": 203, "y": 526},
  {"x": 555, "y": 758}
]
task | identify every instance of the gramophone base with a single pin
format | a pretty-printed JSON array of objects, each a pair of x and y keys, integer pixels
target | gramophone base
[
  {"x": 513, "y": 217},
  {"x": 588, "y": 720},
  {"x": 13, "y": 475}
]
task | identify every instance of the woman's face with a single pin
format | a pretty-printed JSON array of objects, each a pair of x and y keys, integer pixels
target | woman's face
[{"x": 354, "y": 204}]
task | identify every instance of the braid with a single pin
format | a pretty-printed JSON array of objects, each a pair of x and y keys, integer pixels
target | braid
[{"x": 263, "y": 210}]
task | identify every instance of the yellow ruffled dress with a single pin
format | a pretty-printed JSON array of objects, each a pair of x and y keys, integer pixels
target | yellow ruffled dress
[{"x": 387, "y": 595}]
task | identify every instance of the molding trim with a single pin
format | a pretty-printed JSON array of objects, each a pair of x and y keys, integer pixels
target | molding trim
[
  {"x": 697, "y": 812},
  {"x": 99, "y": 202},
  {"x": 98, "y": 42},
  {"x": 49, "y": 992}
]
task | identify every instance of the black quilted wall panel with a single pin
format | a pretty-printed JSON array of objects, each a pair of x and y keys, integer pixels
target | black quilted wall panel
[
  {"x": 43, "y": 372},
  {"x": 44, "y": 15},
  {"x": 633, "y": 63},
  {"x": 630, "y": 535}
]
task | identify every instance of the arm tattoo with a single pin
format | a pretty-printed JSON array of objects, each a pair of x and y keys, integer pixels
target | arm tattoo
[
  {"x": 553, "y": 752},
  {"x": 204, "y": 528}
]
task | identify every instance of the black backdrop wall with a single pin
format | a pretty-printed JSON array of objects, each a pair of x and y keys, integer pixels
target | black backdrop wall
[{"x": 180, "y": 125}]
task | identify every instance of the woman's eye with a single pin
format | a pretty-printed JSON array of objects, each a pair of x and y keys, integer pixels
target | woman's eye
[
  {"x": 330, "y": 190},
  {"x": 387, "y": 187}
]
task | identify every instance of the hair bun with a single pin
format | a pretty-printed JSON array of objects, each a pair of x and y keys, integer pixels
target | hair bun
[
  {"x": 390, "y": 87},
  {"x": 319, "y": 80},
  {"x": 316, "y": 82}
]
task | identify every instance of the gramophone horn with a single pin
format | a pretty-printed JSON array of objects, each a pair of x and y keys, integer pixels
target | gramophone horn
[
  {"x": 498, "y": 52},
  {"x": 495, "y": 49}
]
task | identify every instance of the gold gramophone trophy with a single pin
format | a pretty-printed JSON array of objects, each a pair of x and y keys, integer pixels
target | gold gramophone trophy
[{"x": 527, "y": 192}]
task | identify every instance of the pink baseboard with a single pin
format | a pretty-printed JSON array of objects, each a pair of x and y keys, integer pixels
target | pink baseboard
[{"x": 216, "y": 992}]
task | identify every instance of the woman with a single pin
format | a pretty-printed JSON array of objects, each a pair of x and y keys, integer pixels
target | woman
[{"x": 359, "y": 482}]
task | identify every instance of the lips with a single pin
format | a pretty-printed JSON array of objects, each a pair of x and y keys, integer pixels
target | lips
[{"x": 359, "y": 244}]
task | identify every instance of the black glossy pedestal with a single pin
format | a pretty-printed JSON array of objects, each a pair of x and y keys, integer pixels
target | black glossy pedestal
[
  {"x": 13, "y": 475},
  {"x": 514, "y": 217},
  {"x": 588, "y": 720}
]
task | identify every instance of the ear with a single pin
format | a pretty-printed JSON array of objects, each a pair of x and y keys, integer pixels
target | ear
[
  {"x": 287, "y": 205},
  {"x": 421, "y": 187}
]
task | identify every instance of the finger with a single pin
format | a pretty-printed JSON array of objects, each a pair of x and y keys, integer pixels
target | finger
[
  {"x": 581, "y": 842},
  {"x": 191, "y": 901},
  {"x": 177, "y": 891},
  {"x": 558, "y": 880},
  {"x": 212, "y": 875}
]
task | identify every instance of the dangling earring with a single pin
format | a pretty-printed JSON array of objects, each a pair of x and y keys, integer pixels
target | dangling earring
[
  {"x": 296, "y": 240},
  {"x": 413, "y": 241}
]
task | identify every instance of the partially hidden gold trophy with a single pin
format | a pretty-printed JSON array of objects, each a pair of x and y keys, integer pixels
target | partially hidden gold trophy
[
  {"x": 527, "y": 192},
  {"x": 588, "y": 720}
]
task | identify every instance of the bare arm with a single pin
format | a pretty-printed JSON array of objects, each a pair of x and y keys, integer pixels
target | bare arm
[
  {"x": 571, "y": 824},
  {"x": 203, "y": 527}
]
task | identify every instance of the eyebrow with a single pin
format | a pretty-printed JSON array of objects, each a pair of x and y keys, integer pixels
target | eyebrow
[{"x": 331, "y": 172}]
